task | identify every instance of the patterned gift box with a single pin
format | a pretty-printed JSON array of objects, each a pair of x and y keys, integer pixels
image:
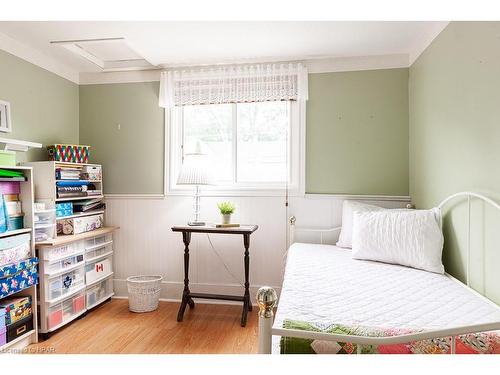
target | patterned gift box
[
  {"x": 69, "y": 153},
  {"x": 18, "y": 276}
]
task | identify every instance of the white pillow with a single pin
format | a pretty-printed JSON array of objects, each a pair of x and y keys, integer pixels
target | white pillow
[
  {"x": 410, "y": 238},
  {"x": 348, "y": 208}
]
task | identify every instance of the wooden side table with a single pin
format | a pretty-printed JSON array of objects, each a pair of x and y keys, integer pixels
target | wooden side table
[{"x": 187, "y": 296}]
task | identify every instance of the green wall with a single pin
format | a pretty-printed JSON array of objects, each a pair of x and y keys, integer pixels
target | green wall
[
  {"x": 357, "y": 133},
  {"x": 44, "y": 106},
  {"x": 357, "y": 138},
  {"x": 455, "y": 141},
  {"x": 132, "y": 156}
]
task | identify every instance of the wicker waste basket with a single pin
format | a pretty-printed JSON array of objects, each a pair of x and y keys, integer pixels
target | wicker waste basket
[{"x": 143, "y": 293}]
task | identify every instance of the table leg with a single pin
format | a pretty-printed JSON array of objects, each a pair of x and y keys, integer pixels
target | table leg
[
  {"x": 247, "y": 306},
  {"x": 186, "y": 298}
]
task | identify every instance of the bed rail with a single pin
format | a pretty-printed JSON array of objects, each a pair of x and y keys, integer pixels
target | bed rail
[{"x": 267, "y": 299}]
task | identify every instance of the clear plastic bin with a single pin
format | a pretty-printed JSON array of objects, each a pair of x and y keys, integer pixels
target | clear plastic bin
[
  {"x": 99, "y": 240},
  {"x": 98, "y": 250},
  {"x": 44, "y": 217},
  {"x": 55, "y": 253},
  {"x": 52, "y": 267},
  {"x": 64, "y": 284},
  {"x": 63, "y": 311},
  {"x": 45, "y": 232},
  {"x": 99, "y": 292}
]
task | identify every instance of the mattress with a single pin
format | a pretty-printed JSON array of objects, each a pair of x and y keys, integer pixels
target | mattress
[{"x": 324, "y": 285}]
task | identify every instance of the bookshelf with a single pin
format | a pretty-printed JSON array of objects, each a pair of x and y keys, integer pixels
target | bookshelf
[
  {"x": 26, "y": 197},
  {"x": 76, "y": 270}
]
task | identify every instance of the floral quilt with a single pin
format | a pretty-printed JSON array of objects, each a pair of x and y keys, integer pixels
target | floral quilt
[{"x": 474, "y": 343}]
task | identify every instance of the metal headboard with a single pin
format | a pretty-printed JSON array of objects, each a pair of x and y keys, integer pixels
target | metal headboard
[{"x": 468, "y": 195}]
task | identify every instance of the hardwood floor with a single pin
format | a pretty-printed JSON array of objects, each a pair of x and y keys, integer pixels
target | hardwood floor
[{"x": 111, "y": 328}]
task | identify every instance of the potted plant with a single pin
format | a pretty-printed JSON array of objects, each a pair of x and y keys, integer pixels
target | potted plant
[{"x": 226, "y": 209}]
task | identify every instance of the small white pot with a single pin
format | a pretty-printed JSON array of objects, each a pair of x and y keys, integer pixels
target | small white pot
[{"x": 226, "y": 219}]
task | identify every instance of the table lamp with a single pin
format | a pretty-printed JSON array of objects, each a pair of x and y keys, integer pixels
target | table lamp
[{"x": 196, "y": 171}]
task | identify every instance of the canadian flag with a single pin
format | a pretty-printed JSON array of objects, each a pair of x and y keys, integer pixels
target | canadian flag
[{"x": 99, "y": 267}]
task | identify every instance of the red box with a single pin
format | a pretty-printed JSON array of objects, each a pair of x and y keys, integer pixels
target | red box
[
  {"x": 78, "y": 304},
  {"x": 55, "y": 318}
]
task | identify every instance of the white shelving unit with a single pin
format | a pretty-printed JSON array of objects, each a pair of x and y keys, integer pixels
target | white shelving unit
[
  {"x": 69, "y": 263},
  {"x": 26, "y": 197}
]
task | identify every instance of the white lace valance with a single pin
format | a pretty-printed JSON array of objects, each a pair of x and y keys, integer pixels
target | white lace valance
[{"x": 234, "y": 84}]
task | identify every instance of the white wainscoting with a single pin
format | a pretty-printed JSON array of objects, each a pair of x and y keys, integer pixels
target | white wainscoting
[{"x": 145, "y": 243}]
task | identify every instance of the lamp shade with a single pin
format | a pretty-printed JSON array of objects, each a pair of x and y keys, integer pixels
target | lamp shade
[{"x": 195, "y": 170}]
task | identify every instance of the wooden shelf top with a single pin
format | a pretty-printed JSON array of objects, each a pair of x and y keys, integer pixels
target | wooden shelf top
[{"x": 64, "y": 239}]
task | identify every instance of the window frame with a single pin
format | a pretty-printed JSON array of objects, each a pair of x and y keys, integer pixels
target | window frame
[{"x": 296, "y": 158}]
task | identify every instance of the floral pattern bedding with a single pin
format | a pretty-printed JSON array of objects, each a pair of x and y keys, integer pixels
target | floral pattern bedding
[{"x": 474, "y": 343}]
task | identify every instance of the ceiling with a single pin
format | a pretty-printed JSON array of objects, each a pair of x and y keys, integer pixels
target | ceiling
[{"x": 175, "y": 43}]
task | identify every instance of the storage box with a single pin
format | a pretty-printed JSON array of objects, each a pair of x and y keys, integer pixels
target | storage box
[
  {"x": 13, "y": 208},
  {"x": 16, "y": 222},
  {"x": 18, "y": 276},
  {"x": 92, "y": 173},
  {"x": 11, "y": 197},
  {"x": 69, "y": 153},
  {"x": 79, "y": 225},
  {"x": 19, "y": 328},
  {"x": 10, "y": 187},
  {"x": 14, "y": 249},
  {"x": 16, "y": 309},
  {"x": 64, "y": 209},
  {"x": 8, "y": 158}
]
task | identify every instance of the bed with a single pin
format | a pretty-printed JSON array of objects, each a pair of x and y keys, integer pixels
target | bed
[{"x": 324, "y": 285}]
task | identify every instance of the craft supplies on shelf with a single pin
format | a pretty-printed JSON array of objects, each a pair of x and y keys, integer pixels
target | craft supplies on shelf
[
  {"x": 69, "y": 153},
  {"x": 18, "y": 264}
]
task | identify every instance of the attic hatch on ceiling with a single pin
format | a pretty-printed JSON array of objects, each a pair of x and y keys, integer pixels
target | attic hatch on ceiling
[{"x": 109, "y": 54}]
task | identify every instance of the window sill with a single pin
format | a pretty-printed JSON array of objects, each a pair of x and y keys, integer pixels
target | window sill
[{"x": 234, "y": 192}]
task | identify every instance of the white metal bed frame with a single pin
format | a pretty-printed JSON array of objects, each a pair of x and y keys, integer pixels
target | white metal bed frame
[{"x": 267, "y": 300}]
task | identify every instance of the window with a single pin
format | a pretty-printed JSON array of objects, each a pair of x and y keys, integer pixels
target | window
[{"x": 251, "y": 145}]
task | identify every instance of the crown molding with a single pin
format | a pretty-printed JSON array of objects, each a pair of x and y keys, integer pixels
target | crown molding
[
  {"x": 356, "y": 63},
  {"x": 37, "y": 58},
  {"x": 320, "y": 65}
]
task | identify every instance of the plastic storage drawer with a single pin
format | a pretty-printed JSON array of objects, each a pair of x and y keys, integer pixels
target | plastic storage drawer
[
  {"x": 55, "y": 253},
  {"x": 98, "y": 269},
  {"x": 99, "y": 250},
  {"x": 45, "y": 232},
  {"x": 66, "y": 283},
  {"x": 99, "y": 240},
  {"x": 99, "y": 292},
  {"x": 52, "y": 267},
  {"x": 64, "y": 311}
]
